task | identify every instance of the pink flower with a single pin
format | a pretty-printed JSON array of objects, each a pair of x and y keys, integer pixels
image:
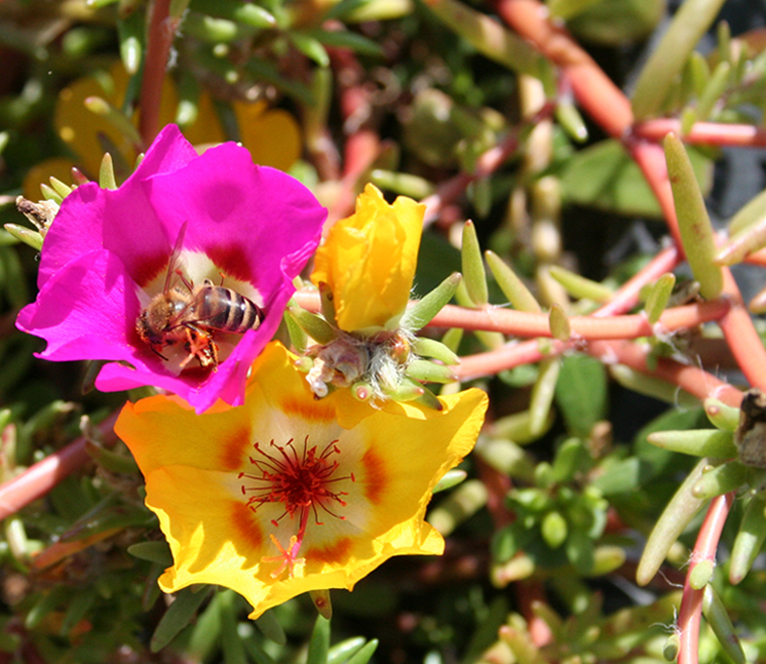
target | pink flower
[{"x": 108, "y": 254}]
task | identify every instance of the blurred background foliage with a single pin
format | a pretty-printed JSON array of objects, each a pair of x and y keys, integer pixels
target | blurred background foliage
[{"x": 302, "y": 84}]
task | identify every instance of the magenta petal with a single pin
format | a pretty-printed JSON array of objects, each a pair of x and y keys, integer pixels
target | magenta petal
[
  {"x": 122, "y": 220},
  {"x": 85, "y": 311},
  {"x": 249, "y": 218}
]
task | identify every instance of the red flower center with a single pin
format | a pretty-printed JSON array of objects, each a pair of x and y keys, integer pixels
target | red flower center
[{"x": 303, "y": 482}]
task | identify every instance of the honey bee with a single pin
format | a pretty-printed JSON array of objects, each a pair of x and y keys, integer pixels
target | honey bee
[{"x": 190, "y": 315}]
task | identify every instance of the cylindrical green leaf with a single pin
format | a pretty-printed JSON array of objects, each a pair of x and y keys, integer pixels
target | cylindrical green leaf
[
  {"x": 319, "y": 644},
  {"x": 721, "y": 479},
  {"x": 659, "y": 74},
  {"x": 426, "y": 347},
  {"x": 420, "y": 313},
  {"x": 749, "y": 539},
  {"x": 131, "y": 33},
  {"x": 462, "y": 503},
  {"x": 698, "y": 442},
  {"x": 579, "y": 286},
  {"x": 475, "y": 278},
  {"x": 721, "y": 416},
  {"x": 513, "y": 287},
  {"x": 177, "y": 616},
  {"x": 106, "y": 178},
  {"x": 559, "y": 323},
  {"x": 751, "y": 213},
  {"x": 677, "y": 515},
  {"x": 430, "y": 372},
  {"x": 488, "y": 36},
  {"x": 718, "y": 618},
  {"x": 693, "y": 221},
  {"x": 542, "y": 395},
  {"x": 315, "y": 326},
  {"x": 659, "y": 295}
]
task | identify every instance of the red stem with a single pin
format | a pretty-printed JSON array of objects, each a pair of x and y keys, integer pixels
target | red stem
[
  {"x": 690, "y": 613},
  {"x": 162, "y": 29},
  {"x": 741, "y": 335},
  {"x": 39, "y": 479},
  {"x": 706, "y": 133}
]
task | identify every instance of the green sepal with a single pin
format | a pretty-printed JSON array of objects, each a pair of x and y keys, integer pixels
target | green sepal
[
  {"x": 327, "y": 304},
  {"x": 315, "y": 326},
  {"x": 426, "y": 347},
  {"x": 430, "y": 372},
  {"x": 420, "y": 313}
]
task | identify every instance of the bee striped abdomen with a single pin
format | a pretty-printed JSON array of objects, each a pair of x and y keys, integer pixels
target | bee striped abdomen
[{"x": 223, "y": 309}]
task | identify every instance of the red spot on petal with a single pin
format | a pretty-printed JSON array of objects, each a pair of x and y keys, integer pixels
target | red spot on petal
[
  {"x": 233, "y": 262},
  {"x": 374, "y": 478},
  {"x": 234, "y": 449},
  {"x": 313, "y": 411},
  {"x": 148, "y": 269},
  {"x": 246, "y": 525},
  {"x": 335, "y": 553}
]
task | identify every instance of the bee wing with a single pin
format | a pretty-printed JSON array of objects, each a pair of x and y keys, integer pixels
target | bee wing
[{"x": 174, "y": 256}]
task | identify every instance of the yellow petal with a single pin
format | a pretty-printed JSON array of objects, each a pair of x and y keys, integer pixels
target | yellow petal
[
  {"x": 87, "y": 134},
  {"x": 202, "y": 470},
  {"x": 272, "y": 136},
  {"x": 58, "y": 167},
  {"x": 368, "y": 260}
]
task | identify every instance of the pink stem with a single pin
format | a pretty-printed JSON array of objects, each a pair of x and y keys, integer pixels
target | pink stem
[
  {"x": 741, "y": 335},
  {"x": 162, "y": 30},
  {"x": 690, "y": 613},
  {"x": 706, "y": 133},
  {"x": 39, "y": 479}
]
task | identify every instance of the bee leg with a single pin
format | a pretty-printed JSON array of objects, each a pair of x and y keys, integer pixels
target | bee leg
[{"x": 156, "y": 352}]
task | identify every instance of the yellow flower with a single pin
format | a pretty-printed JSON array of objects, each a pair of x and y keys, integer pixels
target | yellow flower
[
  {"x": 368, "y": 261},
  {"x": 272, "y": 136},
  {"x": 274, "y": 498}
]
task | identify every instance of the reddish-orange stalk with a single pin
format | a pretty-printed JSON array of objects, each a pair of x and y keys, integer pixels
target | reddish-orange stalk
[
  {"x": 705, "y": 133},
  {"x": 39, "y": 479},
  {"x": 689, "y": 615},
  {"x": 689, "y": 377},
  {"x": 162, "y": 30},
  {"x": 742, "y": 337}
]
